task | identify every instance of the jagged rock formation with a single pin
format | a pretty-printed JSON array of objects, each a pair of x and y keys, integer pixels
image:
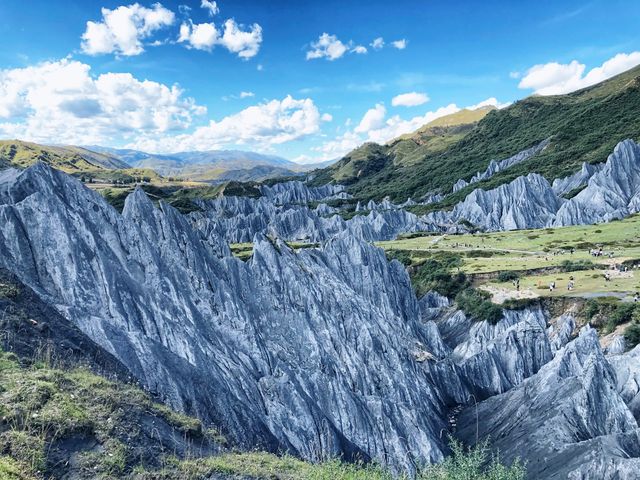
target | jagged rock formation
[
  {"x": 497, "y": 167},
  {"x": 527, "y": 202},
  {"x": 320, "y": 352},
  {"x": 571, "y": 413},
  {"x": 297, "y": 192},
  {"x": 562, "y": 186},
  {"x": 238, "y": 219},
  {"x": 611, "y": 193},
  {"x": 213, "y": 335}
]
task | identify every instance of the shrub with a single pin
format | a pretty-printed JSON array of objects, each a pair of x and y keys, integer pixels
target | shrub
[
  {"x": 473, "y": 464},
  {"x": 435, "y": 274},
  {"x": 477, "y": 304},
  {"x": 632, "y": 335},
  {"x": 576, "y": 266},
  {"x": 507, "y": 276}
]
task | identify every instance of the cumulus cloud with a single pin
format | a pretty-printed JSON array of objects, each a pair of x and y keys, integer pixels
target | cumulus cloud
[
  {"x": 247, "y": 94},
  {"x": 377, "y": 43},
  {"x": 410, "y": 99},
  {"x": 201, "y": 36},
  {"x": 61, "y": 102},
  {"x": 205, "y": 36},
  {"x": 557, "y": 78},
  {"x": 327, "y": 46},
  {"x": 489, "y": 102},
  {"x": 372, "y": 119},
  {"x": 123, "y": 29},
  {"x": 326, "y": 117},
  {"x": 360, "y": 49},
  {"x": 400, "y": 44},
  {"x": 260, "y": 126},
  {"x": 211, "y": 7}
]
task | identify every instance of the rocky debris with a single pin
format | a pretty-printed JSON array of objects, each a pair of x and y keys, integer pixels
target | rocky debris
[
  {"x": 497, "y": 167},
  {"x": 562, "y": 186},
  {"x": 611, "y": 193}
]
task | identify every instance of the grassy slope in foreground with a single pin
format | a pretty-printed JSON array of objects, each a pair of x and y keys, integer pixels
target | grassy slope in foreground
[{"x": 585, "y": 126}]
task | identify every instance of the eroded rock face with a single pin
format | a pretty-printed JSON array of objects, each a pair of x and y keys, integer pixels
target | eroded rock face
[
  {"x": 311, "y": 352},
  {"x": 570, "y": 415},
  {"x": 297, "y": 192},
  {"x": 611, "y": 193},
  {"x": 564, "y": 185},
  {"x": 526, "y": 202},
  {"x": 239, "y": 219}
]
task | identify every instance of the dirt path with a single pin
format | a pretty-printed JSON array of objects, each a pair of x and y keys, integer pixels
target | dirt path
[{"x": 500, "y": 295}]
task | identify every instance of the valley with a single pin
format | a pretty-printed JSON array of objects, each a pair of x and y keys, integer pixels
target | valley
[{"x": 462, "y": 301}]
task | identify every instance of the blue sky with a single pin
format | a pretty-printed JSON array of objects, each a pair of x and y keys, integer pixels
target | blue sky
[{"x": 181, "y": 68}]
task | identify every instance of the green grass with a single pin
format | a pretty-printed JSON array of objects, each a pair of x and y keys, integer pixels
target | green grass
[
  {"x": 585, "y": 126},
  {"x": 537, "y": 257},
  {"x": 10, "y": 469},
  {"x": 463, "y": 464}
]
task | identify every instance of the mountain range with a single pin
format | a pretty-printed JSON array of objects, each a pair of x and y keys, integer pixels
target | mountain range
[
  {"x": 215, "y": 165},
  {"x": 583, "y": 126}
]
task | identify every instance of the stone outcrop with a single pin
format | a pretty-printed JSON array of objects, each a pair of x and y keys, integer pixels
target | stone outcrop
[
  {"x": 497, "y": 167},
  {"x": 562, "y": 186},
  {"x": 526, "y": 202},
  {"x": 297, "y": 192},
  {"x": 611, "y": 193}
]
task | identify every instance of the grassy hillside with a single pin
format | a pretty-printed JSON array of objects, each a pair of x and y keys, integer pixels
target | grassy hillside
[{"x": 584, "y": 126}]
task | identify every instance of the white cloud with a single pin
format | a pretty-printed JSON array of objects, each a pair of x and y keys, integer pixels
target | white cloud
[
  {"x": 410, "y": 99},
  {"x": 359, "y": 49},
  {"x": 372, "y": 119},
  {"x": 377, "y": 43},
  {"x": 326, "y": 117},
  {"x": 515, "y": 75},
  {"x": 260, "y": 126},
  {"x": 400, "y": 44},
  {"x": 489, "y": 102},
  {"x": 557, "y": 78},
  {"x": 327, "y": 46},
  {"x": 123, "y": 29},
  {"x": 247, "y": 94},
  {"x": 245, "y": 43},
  {"x": 205, "y": 36},
  {"x": 61, "y": 102},
  {"x": 202, "y": 36},
  {"x": 211, "y": 7}
]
